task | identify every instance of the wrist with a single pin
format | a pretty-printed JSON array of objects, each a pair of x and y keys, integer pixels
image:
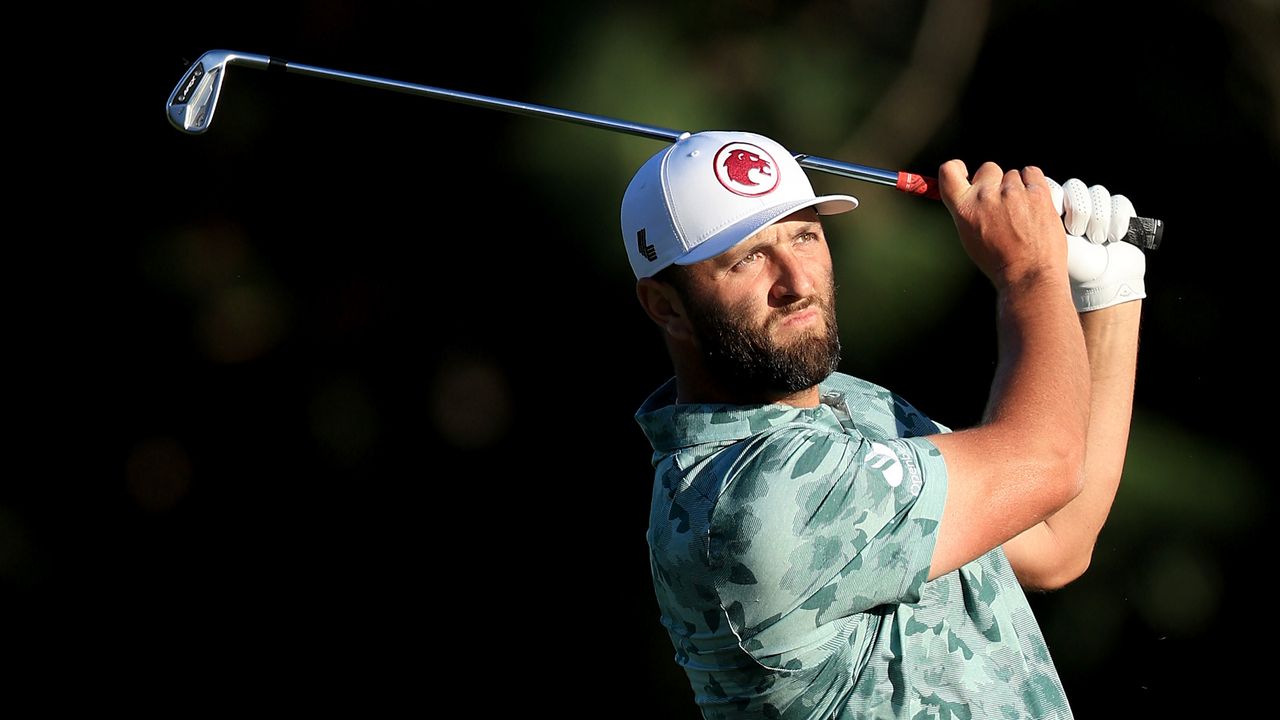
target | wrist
[
  {"x": 1121, "y": 315},
  {"x": 1032, "y": 280},
  {"x": 1089, "y": 299}
]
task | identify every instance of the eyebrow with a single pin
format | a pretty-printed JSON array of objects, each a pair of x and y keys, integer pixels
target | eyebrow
[{"x": 806, "y": 228}]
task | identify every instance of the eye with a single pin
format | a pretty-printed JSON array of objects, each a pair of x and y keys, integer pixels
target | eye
[
  {"x": 747, "y": 260},
  {"x": 808, "y": 237}
]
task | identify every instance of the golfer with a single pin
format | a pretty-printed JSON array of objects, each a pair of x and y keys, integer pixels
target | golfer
[{"x": 819, "y": 547}]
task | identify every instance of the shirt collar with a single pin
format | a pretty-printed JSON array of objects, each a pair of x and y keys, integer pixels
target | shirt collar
[{"x": 670, "y": 426}]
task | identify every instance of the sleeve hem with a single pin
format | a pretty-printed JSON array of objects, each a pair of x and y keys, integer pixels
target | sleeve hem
[{"x": 928, "y": 506}]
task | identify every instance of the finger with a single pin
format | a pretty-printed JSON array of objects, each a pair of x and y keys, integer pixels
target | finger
[
  {"x": 1100, "y": 214},
  {"x": 1121, "y": 213},
  {"x": 1014, "y": 180},
  {"x": 953, "y": 179},
  {"x": 988, "y": 173},
  {"x": 1036, "y": 183},
  {"x": 1032, "y": 175},
  {"x": 1055, "y": 192},
  {"x": 1076, "y": 207}
]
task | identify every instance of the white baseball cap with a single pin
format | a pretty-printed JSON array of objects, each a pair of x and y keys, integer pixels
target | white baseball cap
[{"x": 710, "y": 191}]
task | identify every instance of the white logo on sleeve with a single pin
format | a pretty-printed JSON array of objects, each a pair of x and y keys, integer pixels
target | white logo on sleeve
[{"x": 880, "y": 457}]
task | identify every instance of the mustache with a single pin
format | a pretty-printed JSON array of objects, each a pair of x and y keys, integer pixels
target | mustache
[
  {"x": 812, "y": 301},
  {"x": 799, "y": 306},
  {"x": 816, "y": 299}
]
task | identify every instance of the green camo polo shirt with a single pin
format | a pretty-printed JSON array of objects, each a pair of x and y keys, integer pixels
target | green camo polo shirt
[{"x": 790, "y": 547}]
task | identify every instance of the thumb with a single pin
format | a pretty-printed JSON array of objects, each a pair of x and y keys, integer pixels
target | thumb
[
  {"x": 953, "y": 181},
  {"x": 1085, "y": 260}
]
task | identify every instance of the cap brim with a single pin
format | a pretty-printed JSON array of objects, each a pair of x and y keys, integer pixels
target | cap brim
[{"x": 752, "y": 224}]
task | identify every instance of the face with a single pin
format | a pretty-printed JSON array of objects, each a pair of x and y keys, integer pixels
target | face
[{"x": 764, "y": 311}]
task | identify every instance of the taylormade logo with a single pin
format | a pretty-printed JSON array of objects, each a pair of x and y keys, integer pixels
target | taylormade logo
[{"x": 880, "y": 457}]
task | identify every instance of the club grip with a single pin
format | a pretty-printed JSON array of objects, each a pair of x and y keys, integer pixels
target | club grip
[
  {"x": 918, "y": 185},
  {"x": 1146, "y": 233}
]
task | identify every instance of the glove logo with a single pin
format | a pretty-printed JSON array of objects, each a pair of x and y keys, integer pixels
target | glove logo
[{"x": 745, "y": 169}]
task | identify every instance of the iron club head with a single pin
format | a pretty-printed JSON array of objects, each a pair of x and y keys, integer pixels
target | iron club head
[{"x": 192, "y": 102}]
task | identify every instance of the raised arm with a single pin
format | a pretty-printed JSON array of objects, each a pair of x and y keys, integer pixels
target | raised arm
[
  {"x": 1024, "y": 462},
  {"x": 1107, "y": 280}
]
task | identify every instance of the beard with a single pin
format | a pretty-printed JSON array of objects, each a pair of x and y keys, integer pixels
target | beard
[{"x": 749, "y": 360}]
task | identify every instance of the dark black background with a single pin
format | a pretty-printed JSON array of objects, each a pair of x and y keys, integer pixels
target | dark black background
[{"x": 400, "y": 236}]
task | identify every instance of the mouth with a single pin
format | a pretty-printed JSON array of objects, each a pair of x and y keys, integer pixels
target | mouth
[
  {"x": 809, "y": 314},
  {"x": 801, "y": 317}
]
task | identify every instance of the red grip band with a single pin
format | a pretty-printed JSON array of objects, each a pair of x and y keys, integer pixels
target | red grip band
[{"x": 918, "y": 185}]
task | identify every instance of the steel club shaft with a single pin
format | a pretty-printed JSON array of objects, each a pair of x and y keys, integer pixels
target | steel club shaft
[{"x": 193, "y": 101}]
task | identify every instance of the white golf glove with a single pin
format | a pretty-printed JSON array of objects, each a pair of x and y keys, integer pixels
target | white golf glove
[{"x": 1104, "y": 270}]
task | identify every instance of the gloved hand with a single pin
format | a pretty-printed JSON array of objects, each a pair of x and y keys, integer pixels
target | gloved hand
[{"x": 1104, "y": 270}]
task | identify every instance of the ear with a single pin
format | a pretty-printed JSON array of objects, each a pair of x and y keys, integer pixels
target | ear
[{"x": 663, "y": 305}]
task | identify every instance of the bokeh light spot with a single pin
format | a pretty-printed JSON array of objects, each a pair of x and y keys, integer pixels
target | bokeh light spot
[
  {"x": 1180, "y": 590},
  {"x": 241, "y": 323},
  {"x": 470, "y": 403},
  {"x": 158, "y": 473},
  {"x": 343, "y": 419}
]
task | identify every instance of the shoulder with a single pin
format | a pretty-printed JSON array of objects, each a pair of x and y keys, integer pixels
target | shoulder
[
  {"x": 797, "y": 459},
  {"x": 884, "y": 411},
  {"x": 794, "y": 449}
]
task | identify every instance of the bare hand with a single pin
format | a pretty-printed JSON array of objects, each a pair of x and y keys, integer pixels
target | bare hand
[{"x": 1006, "y": 220}]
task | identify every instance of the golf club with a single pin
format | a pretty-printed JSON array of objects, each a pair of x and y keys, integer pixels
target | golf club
[{"x": 192, "y": 104}]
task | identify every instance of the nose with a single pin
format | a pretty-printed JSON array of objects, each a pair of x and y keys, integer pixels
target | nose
[{"x": 794, "y": 278}]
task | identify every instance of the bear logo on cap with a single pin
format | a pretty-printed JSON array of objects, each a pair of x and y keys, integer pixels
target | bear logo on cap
[{"x": 745, "y": 169}]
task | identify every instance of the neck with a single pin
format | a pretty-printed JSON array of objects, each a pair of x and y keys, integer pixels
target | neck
[
  {"x": 690, "y": 391},
  {"x": 695, "y": 383}
]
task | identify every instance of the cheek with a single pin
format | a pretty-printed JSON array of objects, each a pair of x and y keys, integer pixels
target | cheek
[
  {"x": 747, "y": 313},
  {"x": 742, "y": 306}
]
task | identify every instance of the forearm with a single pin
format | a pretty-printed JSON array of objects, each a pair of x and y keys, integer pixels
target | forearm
[
  {"x": 1025, "y": 461},
  {"x": 1052, "y": 553},
  {"x": 1111, "y": 336},
  {"x": 1039, "y": 400}
]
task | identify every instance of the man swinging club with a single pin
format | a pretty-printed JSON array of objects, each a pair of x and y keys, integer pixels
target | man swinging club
[{"x": 820, "y": 548}]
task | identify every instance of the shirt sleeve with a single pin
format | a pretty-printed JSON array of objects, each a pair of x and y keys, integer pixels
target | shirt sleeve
[{"x": 815, "y": 525}]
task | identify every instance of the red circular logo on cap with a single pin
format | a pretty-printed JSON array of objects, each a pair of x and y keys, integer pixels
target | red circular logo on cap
[{"x": 745, "y": 169}]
